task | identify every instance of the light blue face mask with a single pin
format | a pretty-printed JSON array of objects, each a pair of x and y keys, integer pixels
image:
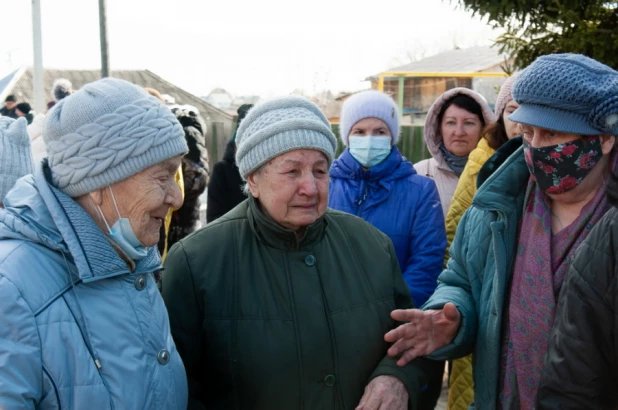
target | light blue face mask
[
  {"x": 371, "y": 150},
  {"x": 122, "y": 234}
]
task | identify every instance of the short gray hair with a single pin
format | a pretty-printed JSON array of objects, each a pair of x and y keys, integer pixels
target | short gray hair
[{"x": 245, "y": 187}]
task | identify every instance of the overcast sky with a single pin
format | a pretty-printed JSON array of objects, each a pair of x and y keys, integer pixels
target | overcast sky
[{"x": 263, "y": 47}]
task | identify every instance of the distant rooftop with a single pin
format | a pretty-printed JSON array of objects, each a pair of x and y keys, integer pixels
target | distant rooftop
[
  {"x": 20, "y": 83},
  {"x": 464, "y": 60}
]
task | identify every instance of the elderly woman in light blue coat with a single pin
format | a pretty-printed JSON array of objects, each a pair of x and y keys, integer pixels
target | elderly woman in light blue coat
[{"x": 82, "y": 324}]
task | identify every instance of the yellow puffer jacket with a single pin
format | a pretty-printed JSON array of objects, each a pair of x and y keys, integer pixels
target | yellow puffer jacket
[
  {"x": 461, "y": 392},
  {"x": 168, "y": 218}
]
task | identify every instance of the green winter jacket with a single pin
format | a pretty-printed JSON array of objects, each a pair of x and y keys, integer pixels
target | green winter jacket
[{"x": 263, "y": 320}]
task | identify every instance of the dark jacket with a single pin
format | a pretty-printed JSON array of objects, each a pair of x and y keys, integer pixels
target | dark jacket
[
  {"x": 195, "y": 178},
  {"x": 265, "y": 321},
  {"x": 581, "y": 368},
  {"x": 225, "y": 188},
  {"x": 404, "y": 205},
  {"x": 5, "y": 112}
]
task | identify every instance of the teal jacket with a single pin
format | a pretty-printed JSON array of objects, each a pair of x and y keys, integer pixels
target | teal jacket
[{"x": 477, "y": 276}]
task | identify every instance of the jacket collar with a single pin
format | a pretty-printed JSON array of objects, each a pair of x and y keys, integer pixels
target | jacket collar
[
  {"x": 93, "y": 255},
  {"x": 507, "y": 184},
  {"x": 276, "y": 236}
]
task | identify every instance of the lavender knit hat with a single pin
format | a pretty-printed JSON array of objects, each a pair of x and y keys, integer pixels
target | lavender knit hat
[
  {"x": 505, "y": 96},
  {"x": 108, "y": 131},
  {"x": 274, "y": 127},
  {"x": 569, "y": 93},
  {"x": 369, "y": 104},
  {"x": 15, "y": 153}
]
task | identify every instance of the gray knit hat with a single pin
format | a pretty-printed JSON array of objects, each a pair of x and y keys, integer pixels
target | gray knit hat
[
  {"x": 15, "y": 153},
  {"x": 369, "y": 104},
  {"x": 569, "y": 93},
  {"x": 108, "y": 131},
  {"x": 280, "y": 125}
]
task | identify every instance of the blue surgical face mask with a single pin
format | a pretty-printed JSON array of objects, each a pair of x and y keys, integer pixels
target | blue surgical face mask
[
  {"x": 122, "y": 234},
  {"x": 371, "y": 150}
]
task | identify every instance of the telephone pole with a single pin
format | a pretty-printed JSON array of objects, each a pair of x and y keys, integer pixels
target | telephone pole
[
  {"x": 37, "y": 69},
  {"x": 104, "y": 46}
]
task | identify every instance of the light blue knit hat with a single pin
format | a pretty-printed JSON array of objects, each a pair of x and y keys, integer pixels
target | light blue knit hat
[
  {"x": 274, "y": 127},
  {"x": 108, "y": 131},
  {"x": 15, "y": 153},
  {"x": 568, "y": 93},
  {"x": 369, "y": 104}
]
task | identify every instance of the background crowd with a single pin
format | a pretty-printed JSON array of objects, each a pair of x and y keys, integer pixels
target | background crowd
[{"x": 319, "y": 282}]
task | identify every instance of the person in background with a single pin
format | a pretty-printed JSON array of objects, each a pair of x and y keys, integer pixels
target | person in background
[
  {"x": 452, "y": 130},
  {"x": 581, "y": 365},
  {"x": 24, "y": 110},
  {"x": 15, "y": 155},
  {"x": 516, "y": 242},
  {"x": 83, "y": 323},
  {"x": 461, "y": 385},
  {"x": 372, "y": 180},
  {"x": 283, "y": 303},
  {"x": 186, "y": 219},
  {"x": 61, "y": 88},
  {"x": 225, "y": 188},
  {"x": 35, "y": 130},
  {"x": 9, "y": 107}
]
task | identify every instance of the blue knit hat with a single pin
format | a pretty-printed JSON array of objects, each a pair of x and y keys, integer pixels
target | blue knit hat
[
  {"x": 369, "y": 104},
  {"x": 15, "y": 153},
  {"x": 568, "y": 93},
  {"x": 280, "y": 125},
  {"x": 108, "y": 131}
]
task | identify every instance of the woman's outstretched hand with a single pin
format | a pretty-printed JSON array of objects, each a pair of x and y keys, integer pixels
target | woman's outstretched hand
[{"x": 424, "y": 332}]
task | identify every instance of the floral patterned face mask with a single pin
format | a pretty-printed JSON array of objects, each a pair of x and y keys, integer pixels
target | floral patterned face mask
[{"x": 560, "y": 168}]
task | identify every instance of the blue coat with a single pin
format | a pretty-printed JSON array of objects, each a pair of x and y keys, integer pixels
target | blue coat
[
  {"x": 78, "y": 329},
  {"x": 480, "y": 269},
  {"x": 403, "y": 205}
]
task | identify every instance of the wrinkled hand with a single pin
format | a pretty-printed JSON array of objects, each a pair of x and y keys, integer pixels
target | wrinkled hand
[
  {"x": 384, "y": 393},
  {"x": 425, "y": 332}
]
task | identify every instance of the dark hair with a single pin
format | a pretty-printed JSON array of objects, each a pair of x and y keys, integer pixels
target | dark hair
[
  {"x": 10, "y": 97},
  {"x": 24, "y": 107},
  {"x": 464, "y": 102},
  {"x": 495, "y": 134}
]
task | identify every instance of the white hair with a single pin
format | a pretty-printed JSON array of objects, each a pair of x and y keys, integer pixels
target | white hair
[{"x": 245, "y": 187}]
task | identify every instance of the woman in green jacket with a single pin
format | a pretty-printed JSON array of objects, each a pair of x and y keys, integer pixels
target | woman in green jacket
[
  {"x": 497, "y": 296},
  {"x": 283, "y": 303}
]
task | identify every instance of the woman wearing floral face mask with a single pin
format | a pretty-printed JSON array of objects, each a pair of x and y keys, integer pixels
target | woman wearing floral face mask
[
  {"x": 497, "y": 296},
  {"x": 372, "y": 180}
]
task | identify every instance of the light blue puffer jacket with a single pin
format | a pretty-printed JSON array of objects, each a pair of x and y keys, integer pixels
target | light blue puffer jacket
[{"x": 78, "y": 330}]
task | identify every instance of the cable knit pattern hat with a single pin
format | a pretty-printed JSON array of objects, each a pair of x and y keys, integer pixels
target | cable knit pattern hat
[
  {"x": 369, "y": 104},
  {"x": 15, "y": 153},
  {"x": 568, "y": 93},
  {"x": 505, "y": 96},
  {"x": 280, "y": 125},
  {"x": 108, "y": 131}
]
